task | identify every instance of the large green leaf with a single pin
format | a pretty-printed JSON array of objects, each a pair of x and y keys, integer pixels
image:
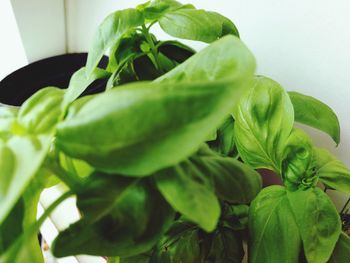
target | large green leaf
[
  {"x": 194, "y": 24},
  {"x": 263, "y": 121},
  {"x": 298, "y": 170},
  {"x": 191, "y": 193},
  {"x": 318, "y": 222},
  {"x": 20, "y": 159},
  {"x": 316, "y": 114},
  {"x": 227, "y": 58},
  {"x": 332, "y": 171},
  {"x": 144, "y": 122},
  {"x": 274, "y": 234},
  {"x": 110, "y": 32},
  {"x": 341, "y": 253},
  {"x": 129, "y": 220}
]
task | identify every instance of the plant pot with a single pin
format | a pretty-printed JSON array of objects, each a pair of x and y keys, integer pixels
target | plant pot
[{"x": 54, "y": 71}]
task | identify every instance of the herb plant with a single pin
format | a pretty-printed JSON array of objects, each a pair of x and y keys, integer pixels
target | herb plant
[{"x": 163, "y": 163}]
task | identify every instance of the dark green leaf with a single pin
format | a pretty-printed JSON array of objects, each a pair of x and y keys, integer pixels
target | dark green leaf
[
  {"x": 341, "y": 253},
  {"x": 180, "y": 244},
  {"x": 129, "y": 220},
  {"x": 12, "y": 226},
  {"x": 109, "y": 32},
  {"x": 227, "y": 247},
  {"x": 234, "y": 181},
  {"x": 316, "y": 114},
  {"x": 274, "y": 234},
  {"x": 332, "y": 171},
  {"x": 263, "y": 121},
  {"x": 176, "y": 51},
  {"x": 318, "y": 222}
]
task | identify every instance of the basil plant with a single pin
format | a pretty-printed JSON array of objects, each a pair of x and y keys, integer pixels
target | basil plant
[{"x": 164, "y": 162}]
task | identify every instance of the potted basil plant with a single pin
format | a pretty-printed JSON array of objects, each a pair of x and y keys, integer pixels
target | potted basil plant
[{"x": 163, "y": 162}]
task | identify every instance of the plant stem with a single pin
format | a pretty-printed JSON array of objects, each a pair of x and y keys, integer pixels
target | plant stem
[
  {"x": 66, "y": 177},
  {"x": 113, "y": 260},
  {"x": 154, "y": 49}
]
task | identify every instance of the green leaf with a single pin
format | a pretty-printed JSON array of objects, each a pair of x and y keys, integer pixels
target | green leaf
[
  {"x": 110, "y": 32},
  {"x": 129, "y": 219},
  {"x": 176, "y": 51},
  {"x": 332, "y": 171},
  {"x": 180, "y": 244},
  {"x": 263, "y": 121},
  {"x": 316, "y": 114},
  {"x": 190, "y": 192},
  {"x": 341, "y": 252},
  {"x": 318, "y": 222},
  {"x": 41, "y": 112},
  {"x": 298, "y": 170},
  {"x": 12, "y": 226},
  {"x": 225, "y": 59},
  {"x": 234, "y": 181},
  {"x": 274, "y": 234},
  {"x": 26, "y": 248},
  {"x": 227, "y": 247},
  {"x": 20, "y": 159},
  {"x": 80, "y": 81},
  {"x": 194, "y": 24},
  {"x": 148, "y": 124}
]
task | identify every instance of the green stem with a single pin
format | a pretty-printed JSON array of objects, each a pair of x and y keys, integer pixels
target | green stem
[
  {"x": 113, "y": 260},
  {"x": 72, "y": 181},
  {"x": 154, "y": 49}
]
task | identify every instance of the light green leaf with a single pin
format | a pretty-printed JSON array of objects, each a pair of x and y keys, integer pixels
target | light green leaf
[
  {"x": 318, "y": 222},
  {"x": 341, "y": 253},
  {"x": 194, "y": 24},
  {"x": 41, "y": 112},
  {"x": 147, "y": 121},
  {"x": 109, "y": 33},
  {"x": 20, "y": 159},
  {"x": 332, "y": 171},
  {"x": 227, "y": 58},
  {"x": 316, "y": 114},
  {"x": 263, "y": 122},
  {"x": 130, "y": 219},
  {"x": 155, "y": 9},
  {"x": 80, "y": 81},
  {"x": 191, "y": 193},
  {"x": 274, "y": 235}
]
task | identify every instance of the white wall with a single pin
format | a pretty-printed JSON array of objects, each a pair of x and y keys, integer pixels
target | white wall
[
  {"x": 42, "y": 27},
  {"x": 12, "y": 55},
  {"x": 304, "y": 45}
]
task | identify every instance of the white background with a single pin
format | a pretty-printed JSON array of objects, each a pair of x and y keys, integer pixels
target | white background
[{"x": 304, "y": 45}]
